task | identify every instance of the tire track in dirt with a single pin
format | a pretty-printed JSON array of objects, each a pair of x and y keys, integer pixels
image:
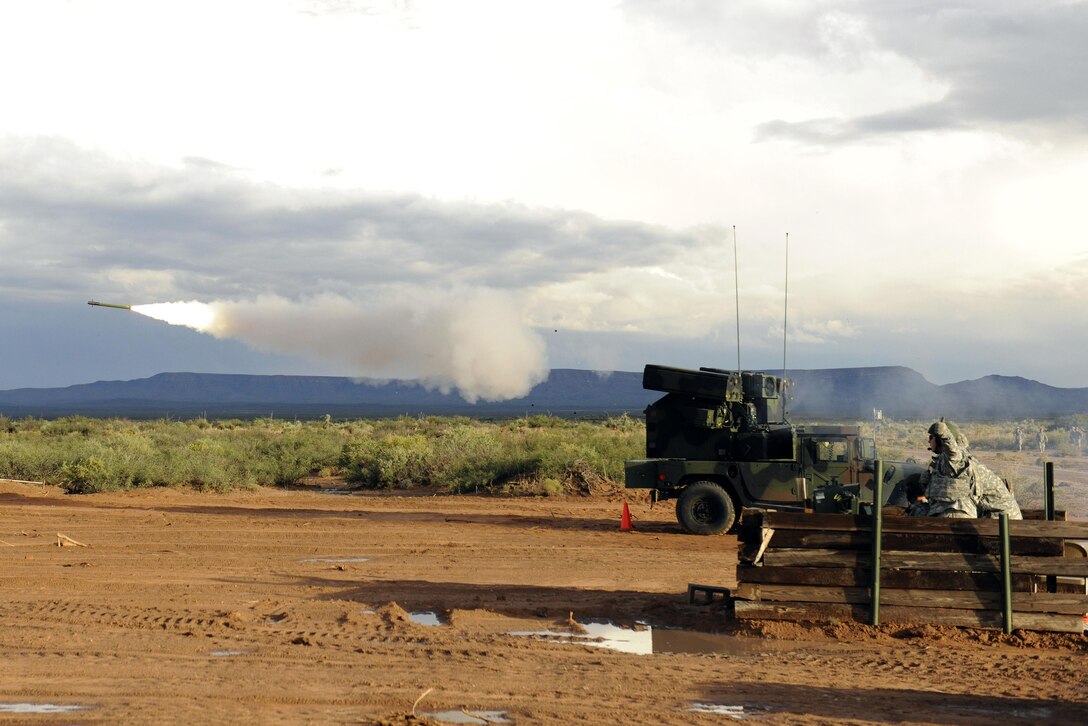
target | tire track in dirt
[
  {"x": 200, "y": 608},
  {"x": 389, "y": 626}
]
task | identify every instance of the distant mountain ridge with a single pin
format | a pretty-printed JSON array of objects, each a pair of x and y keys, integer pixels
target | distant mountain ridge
[
  {"x": 836, "y": 393},
  {"x": 903, "y": 393}
]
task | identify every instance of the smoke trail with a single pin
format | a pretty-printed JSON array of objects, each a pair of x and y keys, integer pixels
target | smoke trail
[{"x": 473, "y": 341}]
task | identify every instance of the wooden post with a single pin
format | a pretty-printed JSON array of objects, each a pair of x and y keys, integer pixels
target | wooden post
[
  {"x": 1048, "y": 507},
  {"x": 1048, "y": 489},
  {"x": 1006, "y": 571},
  {"x": 878, "y": 503}
]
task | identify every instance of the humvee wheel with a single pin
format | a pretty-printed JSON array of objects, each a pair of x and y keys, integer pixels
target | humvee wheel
[{"x": 705, "y": 508}]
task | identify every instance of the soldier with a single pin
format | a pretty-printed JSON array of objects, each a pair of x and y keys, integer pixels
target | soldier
[
  {"x": 948, "y": 480},
  {"x": 959, "y": 484},
  {"x": 1018, "y": 438},
  {"x": 1076, "y": 437},
  {"x": 995, "y": 497},
  {"x": 1040, "y": 439}
]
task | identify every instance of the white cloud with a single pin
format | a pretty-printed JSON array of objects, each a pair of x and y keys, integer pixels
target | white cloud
[
  {"x": 816, "y": 332},
  {"x": 588, "y": 159}
]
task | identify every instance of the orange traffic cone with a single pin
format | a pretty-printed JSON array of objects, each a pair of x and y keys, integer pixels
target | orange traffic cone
[{"x": 625, "y": 520}]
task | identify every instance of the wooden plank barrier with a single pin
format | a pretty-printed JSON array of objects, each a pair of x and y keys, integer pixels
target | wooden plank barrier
[{"x": 818, "y": 568}]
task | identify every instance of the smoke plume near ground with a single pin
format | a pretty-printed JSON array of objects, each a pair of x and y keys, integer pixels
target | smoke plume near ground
[{"x": 474, "y": 341}]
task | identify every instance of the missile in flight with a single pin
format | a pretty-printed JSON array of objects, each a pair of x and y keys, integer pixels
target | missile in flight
[{"x": 109, "y": 305}]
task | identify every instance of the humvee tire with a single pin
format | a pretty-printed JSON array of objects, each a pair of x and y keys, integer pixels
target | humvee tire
[{"x": 705, "y": 508}]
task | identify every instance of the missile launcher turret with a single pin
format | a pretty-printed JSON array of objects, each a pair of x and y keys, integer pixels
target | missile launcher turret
[{"x": 719, "y": 440}]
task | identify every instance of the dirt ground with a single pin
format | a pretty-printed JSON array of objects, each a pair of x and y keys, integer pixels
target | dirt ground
[{"x": 304, "y": 607}]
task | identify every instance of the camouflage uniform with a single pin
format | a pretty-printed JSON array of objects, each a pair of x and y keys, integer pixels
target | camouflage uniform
[
  {"x": 950, "y": 488},
  {"x": 959, "y": 485},
  {"x": 995, "y": 498},
  {"x": 961, "y": 439},
  {"x": 1018, "y": 438},
  {"x": 1040, "y": 439}
]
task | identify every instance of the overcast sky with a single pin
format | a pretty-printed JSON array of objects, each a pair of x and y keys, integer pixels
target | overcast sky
[{"x": 443, "y": 182}]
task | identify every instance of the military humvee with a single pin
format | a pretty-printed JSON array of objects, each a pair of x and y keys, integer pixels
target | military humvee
[{"x": 719, "y": 440}]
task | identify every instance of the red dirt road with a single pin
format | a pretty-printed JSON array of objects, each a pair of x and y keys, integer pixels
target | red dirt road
[{"x": 292, "y": 607}]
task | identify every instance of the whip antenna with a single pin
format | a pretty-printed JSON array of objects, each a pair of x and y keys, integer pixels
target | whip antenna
[
  {"x": 785, "y": 306},
  {"x": 736, "y": 289}
]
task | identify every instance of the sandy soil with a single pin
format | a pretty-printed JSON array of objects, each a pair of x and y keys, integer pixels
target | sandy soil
[{"x": 259, "y": 607}]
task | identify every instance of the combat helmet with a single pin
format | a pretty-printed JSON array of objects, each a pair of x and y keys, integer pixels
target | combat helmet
[{"x": 944, "y": 434}]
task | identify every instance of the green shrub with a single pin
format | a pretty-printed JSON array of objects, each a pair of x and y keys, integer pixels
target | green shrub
[
  {"x": 68, "y": 425},
  {"x": 28, "y": 460},
  {"x": 292, "y": 454},
  {"x": 541, "y": 455},
  {"x": 90, "y": 474},
  {"x": 395, "y": 460}
]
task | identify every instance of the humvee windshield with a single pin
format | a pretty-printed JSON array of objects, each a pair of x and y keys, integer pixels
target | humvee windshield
[{"x": 834, "y": 450}]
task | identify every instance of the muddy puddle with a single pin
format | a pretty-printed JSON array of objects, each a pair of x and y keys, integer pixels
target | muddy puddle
[
  {"x": 732, "y": 711},
  {"x": 469, "y": 717},
  {"x": 599, "y": 635},
  {"x": 40, "y": 708},
  {"x": 428, "y": 618},
  {"x": 647, "y": 640},
  {"x": 690, "y": 641}
]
